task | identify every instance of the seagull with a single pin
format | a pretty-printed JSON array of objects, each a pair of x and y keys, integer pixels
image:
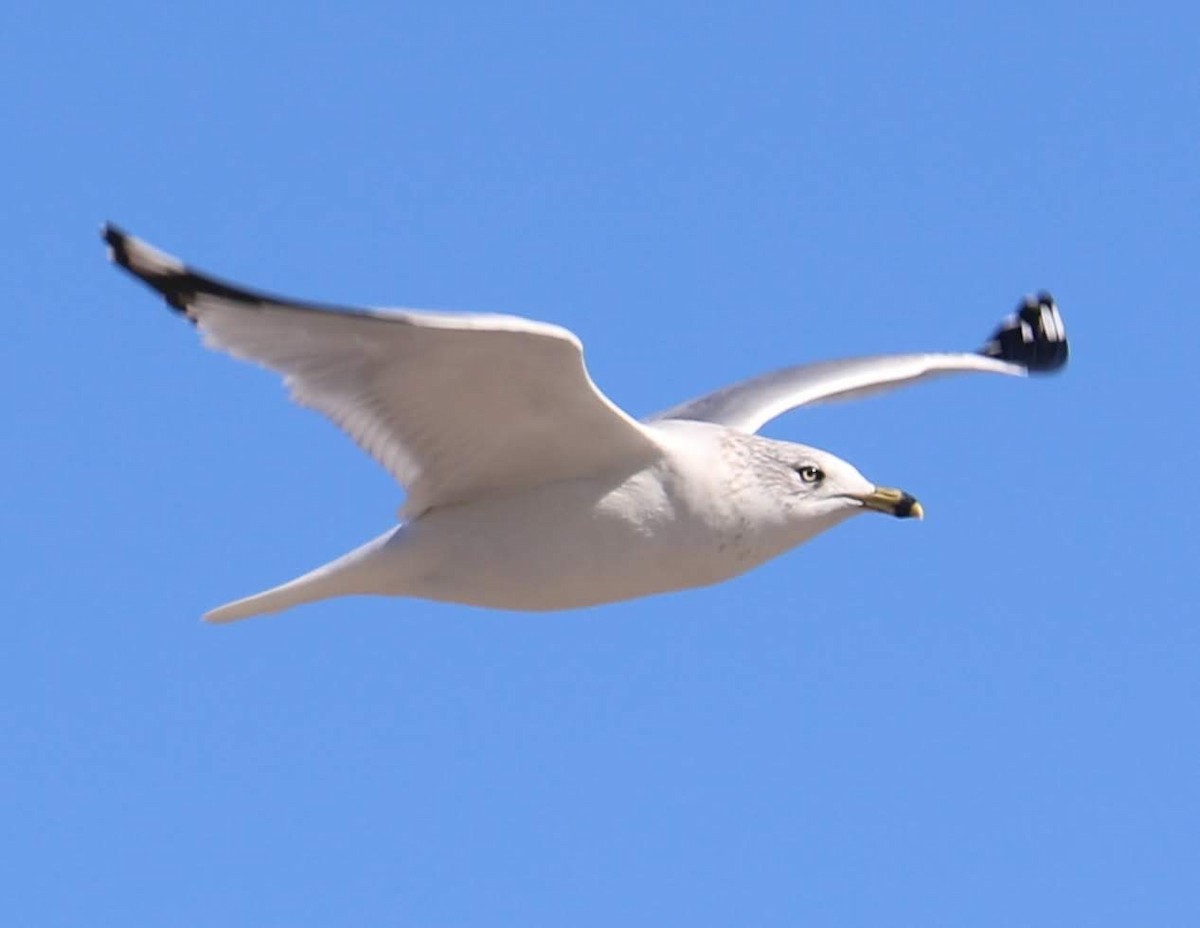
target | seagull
[{"x": 526, "y": 487}]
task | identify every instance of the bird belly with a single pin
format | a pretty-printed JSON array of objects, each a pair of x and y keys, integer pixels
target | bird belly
[{"x": 566, "y": 545}]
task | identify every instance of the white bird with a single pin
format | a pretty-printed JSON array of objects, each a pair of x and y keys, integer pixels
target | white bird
[{"x": 527, "y": 488}]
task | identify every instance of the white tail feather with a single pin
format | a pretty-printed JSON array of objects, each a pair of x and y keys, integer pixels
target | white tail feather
[
  {"x": 281, "y": 597},
  {"x": 359, "y": 571}
]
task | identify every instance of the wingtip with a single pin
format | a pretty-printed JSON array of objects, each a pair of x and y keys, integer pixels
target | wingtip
[
  {"x": 175, "y": 281},
  {"x": 116, "y": 238},
  {"x": 1033, "y": 337},
  {"x": 157, "y": 269}
]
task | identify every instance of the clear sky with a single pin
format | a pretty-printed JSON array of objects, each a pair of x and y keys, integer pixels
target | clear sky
[{"x": 989, "y": 718}]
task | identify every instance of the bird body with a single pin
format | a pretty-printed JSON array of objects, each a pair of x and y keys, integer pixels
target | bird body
[
  {"x": 527, "y": 488},
  {"x": 588, "y": 540}
]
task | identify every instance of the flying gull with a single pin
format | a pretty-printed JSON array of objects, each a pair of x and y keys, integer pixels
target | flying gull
[{"x": 527, "y": 488}]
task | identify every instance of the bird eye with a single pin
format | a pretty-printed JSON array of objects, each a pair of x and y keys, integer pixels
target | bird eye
[{"x": 810, "y": 474}]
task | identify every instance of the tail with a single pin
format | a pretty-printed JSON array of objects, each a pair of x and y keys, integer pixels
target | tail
[
  {"x": 304, "y": 589},
  {"x": 360, "y": 571}
]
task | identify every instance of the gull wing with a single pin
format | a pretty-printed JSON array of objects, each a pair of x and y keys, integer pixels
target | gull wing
[
  {"x": 1031, "y": 340},
  {"x": 455, "y": 406}
]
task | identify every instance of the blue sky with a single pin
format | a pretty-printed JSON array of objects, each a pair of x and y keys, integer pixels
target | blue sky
[{"x": 989, "y": 718}]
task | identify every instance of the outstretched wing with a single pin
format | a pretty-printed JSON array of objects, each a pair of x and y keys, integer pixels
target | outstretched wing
[
  {"x": 1032, "y": 340},
  {"x": 455, "y": 406}
]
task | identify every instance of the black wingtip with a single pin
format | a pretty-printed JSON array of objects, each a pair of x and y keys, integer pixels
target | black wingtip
[
  {"x": 1033, "y": 336},
  {"x": 159, "y": 271},
  {"x": 176, "y": 282},
  {"x": 116, "y": 239}
]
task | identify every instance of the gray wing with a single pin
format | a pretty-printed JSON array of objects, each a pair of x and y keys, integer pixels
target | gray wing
[
  {"x": 1031, "y": 340},
  {"x": 454, "y": 405}
]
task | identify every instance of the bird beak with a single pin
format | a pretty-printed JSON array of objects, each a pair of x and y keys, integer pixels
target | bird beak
[{"x": 894, "y": 502}]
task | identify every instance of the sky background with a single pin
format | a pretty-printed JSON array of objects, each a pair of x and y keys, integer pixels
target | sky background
[{"x": 989, "y": 718}]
